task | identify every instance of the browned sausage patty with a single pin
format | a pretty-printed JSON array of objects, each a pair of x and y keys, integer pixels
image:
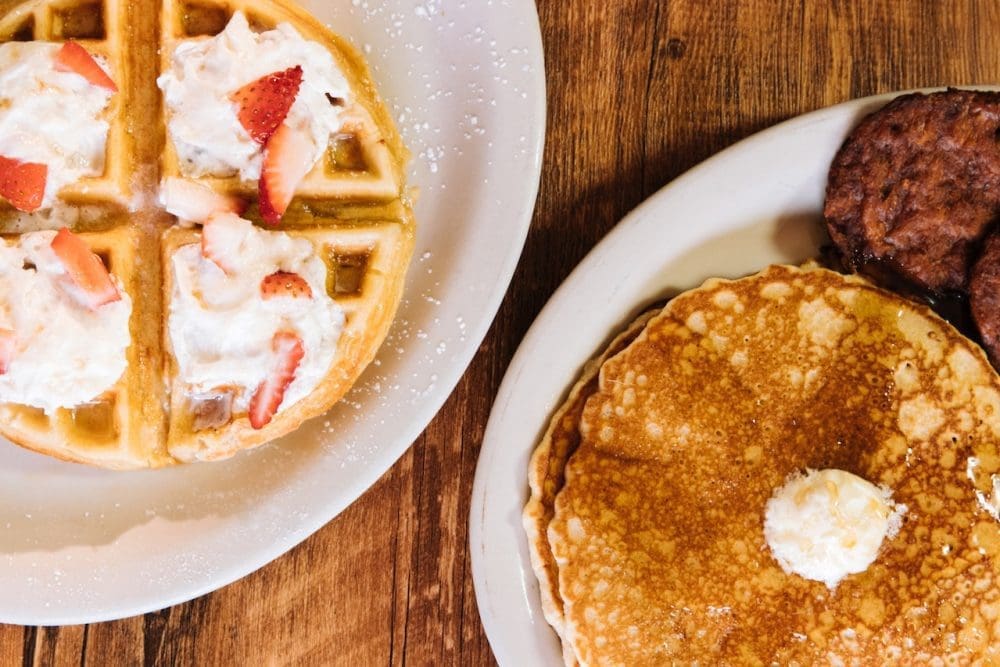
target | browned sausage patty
[
  {"x": 984, "y": 296},
  {"x": 916, "y": 185}
]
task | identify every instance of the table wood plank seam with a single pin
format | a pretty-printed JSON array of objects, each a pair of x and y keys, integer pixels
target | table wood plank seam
[
  {"x": 397, "y": 652},
  {"x": 30, "y": 636}
]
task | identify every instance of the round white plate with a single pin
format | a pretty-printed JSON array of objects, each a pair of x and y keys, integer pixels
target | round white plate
[
  {"x": 758, "y": 202},
  {"x": 465, "y": 83}
]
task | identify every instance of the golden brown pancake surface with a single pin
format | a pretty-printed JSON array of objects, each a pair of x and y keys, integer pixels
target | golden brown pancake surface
[
  {"x": 658, "y": 532},
  {"x": 546, "y": 478}
]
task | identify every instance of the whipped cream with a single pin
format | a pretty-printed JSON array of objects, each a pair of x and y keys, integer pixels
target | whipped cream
[
  {"x": 66, "y": 354},
  {"x": 203, "y": 122},
  {"x": 827, "y": 524},
  {"x": 50, "y": 117},
  {"x": 221, "y": 329}
]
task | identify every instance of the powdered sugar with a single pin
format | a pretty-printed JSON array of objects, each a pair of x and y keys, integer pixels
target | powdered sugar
[{"x": 188, "y": 529}]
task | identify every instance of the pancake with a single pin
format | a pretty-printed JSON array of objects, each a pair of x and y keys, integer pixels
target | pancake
[
  {"x": 546, "y": 478},
  {"x": 735, "y": 386}
]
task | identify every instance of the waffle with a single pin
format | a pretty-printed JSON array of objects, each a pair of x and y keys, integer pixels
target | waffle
[
  {"x": 362, "y": 279},
  {"x": 359, "y": 164},
  {"x": 353, "y": 207},
  {"x": 123, "y": 428},
  {"x": 102, "y": 28}
]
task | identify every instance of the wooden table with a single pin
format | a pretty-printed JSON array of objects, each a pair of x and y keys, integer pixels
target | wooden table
[{"x": 639, "y": 91}]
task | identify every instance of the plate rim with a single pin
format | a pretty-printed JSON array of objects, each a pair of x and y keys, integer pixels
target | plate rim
[
  {"x": 493, "y": 443},
  {"x": 494, "y": 300},
  {"x": 535, "y": 92}
]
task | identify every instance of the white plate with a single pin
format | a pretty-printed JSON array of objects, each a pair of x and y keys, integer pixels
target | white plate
[
  {"x": 465, "y": 82},
  {"x": 756, "y": 203}
]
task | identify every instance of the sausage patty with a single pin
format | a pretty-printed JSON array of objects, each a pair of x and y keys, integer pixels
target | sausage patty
[
  {"x": 984, "y": 296},
  {"x": 916, "y": 185}
]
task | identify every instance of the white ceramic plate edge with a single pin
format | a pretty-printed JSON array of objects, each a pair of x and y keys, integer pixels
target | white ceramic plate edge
[
  {"x": 498, "y": 612},
  {"x": 364, "y": 482},
  {"x": 321, "y": 514}
]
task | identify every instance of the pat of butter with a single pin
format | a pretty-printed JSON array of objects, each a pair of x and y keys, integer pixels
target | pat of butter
[{"x": 827, "y": 524}]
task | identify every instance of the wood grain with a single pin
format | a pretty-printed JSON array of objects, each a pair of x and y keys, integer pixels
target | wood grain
[{"x": 639, "y": 91}]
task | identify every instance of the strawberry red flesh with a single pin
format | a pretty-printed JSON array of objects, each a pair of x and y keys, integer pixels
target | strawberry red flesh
[
  {"x": 288, "y": 352},
  {"x": 22, "y": 183},
  {"x": 264, "y": 103},
  {"x": 288, "y": 157},
  {"x": 72, "y": 57},
  {"x": 85, "y": 269},
  {"x": 8, "y": 343},
  {"x": 285, "y": 283}
]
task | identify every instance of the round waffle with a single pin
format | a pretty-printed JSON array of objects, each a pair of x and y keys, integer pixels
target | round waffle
[{"x": 352, "y": 206}]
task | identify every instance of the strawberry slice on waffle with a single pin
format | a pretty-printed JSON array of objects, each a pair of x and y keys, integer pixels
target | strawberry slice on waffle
[
  {"x": 288, "y": 157},
  {"x": 288, "y": 351},
  {"x": 284, "y": 284},
  {"x": 22, "y": 183},
  {"x": 264, "y": 103},
  {"x": 85, "y": 269},
  {"x": 221, "y": 239},
  {"x": 72, "y": 57},
  {"x": 195, "y": 202}
]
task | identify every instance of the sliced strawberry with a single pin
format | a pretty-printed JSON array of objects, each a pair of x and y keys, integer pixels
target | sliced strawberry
[
  {"x": 8, "y": 342},
  {"x": 288, "y": 351},
  {"x": 74, "y": 58},
  {"x": 22, "y": 183},
  {"x": 288, "y": 157},
  {"x": 195, "y": 202},
  {"x": 85, "y": 269},
  {"x": 221, "y": 239},
  {"x": 264, "y": 103},
  {"x": 285, "y": 283}
]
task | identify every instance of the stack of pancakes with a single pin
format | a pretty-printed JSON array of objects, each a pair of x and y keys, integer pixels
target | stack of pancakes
[
  {"x": 353, "y": 207},
  {"x": 648, "y": 490}
]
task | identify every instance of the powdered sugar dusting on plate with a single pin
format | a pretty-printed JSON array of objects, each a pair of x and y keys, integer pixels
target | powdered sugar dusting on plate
[{"x": 463, "y": 80}]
